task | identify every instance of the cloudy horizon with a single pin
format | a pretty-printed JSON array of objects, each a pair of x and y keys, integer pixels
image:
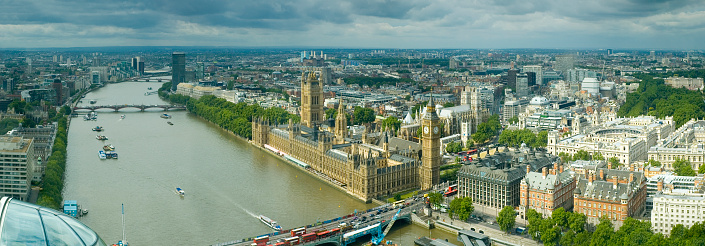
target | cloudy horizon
[{"x": 500, "y": 24}]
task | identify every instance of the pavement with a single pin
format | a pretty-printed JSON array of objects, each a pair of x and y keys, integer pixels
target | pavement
[{"x": 490, "y": 230}]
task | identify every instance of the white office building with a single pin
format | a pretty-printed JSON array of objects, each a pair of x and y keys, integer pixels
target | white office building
[{"x": 671, "y": 209}]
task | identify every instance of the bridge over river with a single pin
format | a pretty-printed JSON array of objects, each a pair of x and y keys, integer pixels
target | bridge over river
[
  {"x": 323, "y": 233},
  {"x": 117, "y": 108}
]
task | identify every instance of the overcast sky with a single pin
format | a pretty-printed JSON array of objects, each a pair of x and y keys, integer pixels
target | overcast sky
[{"x": 620, "y": 24}]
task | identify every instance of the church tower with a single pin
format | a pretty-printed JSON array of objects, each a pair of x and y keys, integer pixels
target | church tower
[
  {"x": 341, "y": 124},
  {"x": 311, "y": 99},
  {"x": 431, "y": 147}
]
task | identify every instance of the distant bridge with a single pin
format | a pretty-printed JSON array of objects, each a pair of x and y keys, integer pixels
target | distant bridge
[
  {"x": 117, "y": 108},
  {"x": 152, "y": 79}
]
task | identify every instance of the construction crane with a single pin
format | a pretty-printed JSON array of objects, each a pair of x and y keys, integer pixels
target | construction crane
[{"x": 376, "y": 240}]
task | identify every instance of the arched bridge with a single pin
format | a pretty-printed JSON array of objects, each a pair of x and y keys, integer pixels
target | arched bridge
[{"x": 140, "y": 107}]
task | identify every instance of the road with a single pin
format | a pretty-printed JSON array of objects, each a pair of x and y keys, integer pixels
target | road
[{"x": 370, "y": 218}]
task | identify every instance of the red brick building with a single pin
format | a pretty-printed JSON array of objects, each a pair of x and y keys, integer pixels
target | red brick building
[
  {"x": 617, "y": 194},
  {"x": 547, "y": 190}
]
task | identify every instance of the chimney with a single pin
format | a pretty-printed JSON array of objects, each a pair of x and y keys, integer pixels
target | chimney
[
  {"x": 528, "y": 169},
  {"x": 609, "y": 165},
  {"x": 544, "y": 171},
  {"x": 590, "y": 178},
  {"x": 555, "y": 168},
  {"x": 631, "y": 167},
  {"x": 602, "y": 175},
  {"x": 614, "y": 182},
  {"x": 631, "y": 177},
  {"x": 659, "y": 185},
  {"x": 560, "y": 168}
]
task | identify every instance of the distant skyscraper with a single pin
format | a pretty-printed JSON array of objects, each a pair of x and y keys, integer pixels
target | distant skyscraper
[
  {"x": 140, "y": 67},
  {"x": 29, "y": 65},
  {"x": 178, "y": 69},
  {"x": 522, "y": 85},
  {"x": 512, "y": 77},
  {"x": 609, "y": 52},
  {"x": 652, "y": 55},
  {"x": 135, "y": 62},
  {"x": 564, "y": 63},
  {"x": 537, "y": 70},
  {"x": 56, "y": 59}
]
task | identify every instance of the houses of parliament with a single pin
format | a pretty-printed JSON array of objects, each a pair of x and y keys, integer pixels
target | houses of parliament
[{"x": 369, "y": 166}]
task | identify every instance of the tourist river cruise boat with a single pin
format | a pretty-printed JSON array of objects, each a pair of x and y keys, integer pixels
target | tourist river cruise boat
[{"x": 269, "y": 222}]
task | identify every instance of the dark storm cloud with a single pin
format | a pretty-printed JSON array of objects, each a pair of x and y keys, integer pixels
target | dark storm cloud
[{"x": 364, "y": 20}]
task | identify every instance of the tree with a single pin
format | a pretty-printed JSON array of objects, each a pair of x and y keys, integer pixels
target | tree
[
  {"x": 470, "y": 143},
  {"x": 576, "y": 222},
  {"x": 702, "y": 168},
  {"x": 654, "y": 163},
  {"x": 682, "y": 167},
  {"x": 513, "y": 120},
  {"x": 363, "y": 115},
  {"x": 604, "y": 232},
  {"x": 397, "y": 197},
  {"x": 506, "y": 218},
  {"x": 453, "y": 147},
  {"x": 581, "y": 155},
  {"x": 331, "y": 113},
  {"x": 391, "y": 123},
  {"x": 598, "y": 156},
  {"x": 560, "y": 216},
  {"x": 435, "y": 199},
  {"x": 28, "y": 122},
  {"x": 550, "y": 233},
  {"x": 448, "y": 105},
  {"x": 461, "y": 206},
  {"x": 614, "y": 161}
]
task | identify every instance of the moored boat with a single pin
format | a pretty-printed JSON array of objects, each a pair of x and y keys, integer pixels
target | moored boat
[
  {"x": 111, "y": 155},
  {"x": 93, "y": 101},
  {"x": 101, "y": 155},
  {"x": 97, "y": 128},
  {"x": 269, "y": 222},
  {"x": 109, "y": 147},
  {"x": 101, "y": 137}
]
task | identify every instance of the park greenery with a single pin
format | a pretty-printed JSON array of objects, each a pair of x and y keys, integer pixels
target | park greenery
[
  {"x": 567, "y": 228},
  {"x": 507, "y": 218},
  {"x": 53, "y": 182},
  {"x": 655, "y": 98},
  {"x": 234, "y": 117},
  {"x": 486, "y": 130},
  {"x": 654, "y": 163},
  {"x": 8, "y": 124},
  {"x": 375, "y": 82},
  {"x": 515, "y": 138},
  {"x": 462, "y": 207}
]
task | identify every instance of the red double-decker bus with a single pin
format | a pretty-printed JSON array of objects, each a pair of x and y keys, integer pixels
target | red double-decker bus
[{"x": 451, "y": 190}]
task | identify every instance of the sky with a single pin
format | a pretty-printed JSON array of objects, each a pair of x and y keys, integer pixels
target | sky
[{"x": 434, "y": 24}]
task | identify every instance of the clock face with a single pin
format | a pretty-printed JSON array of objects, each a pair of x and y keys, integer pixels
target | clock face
[
  {"x": 425, "y": 129},
  {"x": 435, "y": 129}
]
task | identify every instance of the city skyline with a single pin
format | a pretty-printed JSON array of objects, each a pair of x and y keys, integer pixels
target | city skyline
[{"x": 501, "y": 24}]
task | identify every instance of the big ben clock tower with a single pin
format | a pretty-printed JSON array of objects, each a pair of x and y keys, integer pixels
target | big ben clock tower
[{"x": 431, "y": 147}]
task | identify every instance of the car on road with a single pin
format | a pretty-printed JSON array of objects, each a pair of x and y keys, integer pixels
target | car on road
[{"x": 482, "y": 232}]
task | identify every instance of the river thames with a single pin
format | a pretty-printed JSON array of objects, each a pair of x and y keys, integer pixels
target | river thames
[{"x": 227, "y": 181}]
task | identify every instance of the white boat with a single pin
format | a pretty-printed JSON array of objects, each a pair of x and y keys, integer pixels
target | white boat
[
  {"x": 101, "y": 155},
  {"x": 122, "y": 116},
  {"x": 269, "y": 222},
  {"x": 180, "y": 191},
  {"x": 165, "y": 116}
]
